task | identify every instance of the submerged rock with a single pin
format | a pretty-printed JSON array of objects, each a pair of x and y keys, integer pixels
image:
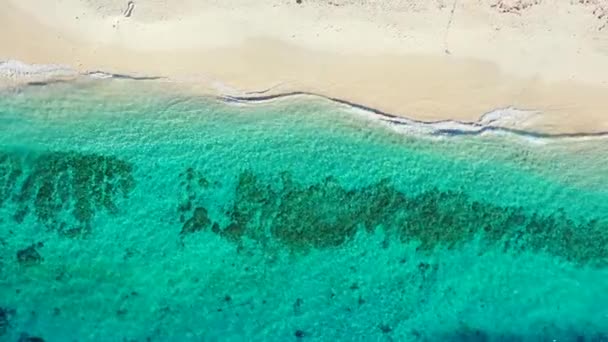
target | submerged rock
[
  {"x": 197, "y": 222},
  {"x": 193, "y": 184},
  {"x": 29, "y": 256},
  {"x": 5, "y": 319},
  {"x": 27, "y": 338}
]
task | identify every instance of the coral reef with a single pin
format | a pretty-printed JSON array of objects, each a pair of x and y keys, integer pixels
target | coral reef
[
  {"x": 193, "y": 184},
  {"x": 6, "y": 315},
  {"x": 29, "y": 256},
  {"x": 327, "y": 214},
  {"x": 549, "y": 333},
  {"x": 62, "y": 189}
]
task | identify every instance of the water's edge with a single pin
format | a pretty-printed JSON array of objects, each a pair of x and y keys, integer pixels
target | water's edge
[{"x": 492, "y": 121}]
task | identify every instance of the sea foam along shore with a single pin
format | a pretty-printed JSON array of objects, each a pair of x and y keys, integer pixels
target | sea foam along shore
[
  {"x": 507, "y": 120},
  {"x": 13, "y": 72},
  {"x": 428, "y": 60},
  {"x": 16, "y": 72},
  {"x": 20, "y": 73}
]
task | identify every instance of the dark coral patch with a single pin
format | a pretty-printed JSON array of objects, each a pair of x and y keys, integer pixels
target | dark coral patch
[
  {"x": 193, "y": 184},
  {"x": 63, "y": 190},
  {"x": 327, "y": 214},
  {"x": 197, "y": 222},
  {"x": 6, "y": 315},
  {"x": 27, "y": 338},
  {"x": 548, "y": 333},
  {"x": 29, "y": 256},
  {"x": 11, "y": 169}
]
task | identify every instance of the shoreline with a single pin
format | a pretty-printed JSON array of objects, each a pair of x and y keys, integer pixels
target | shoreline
[
  {"x": 505, "y": 120},
  {"x": 409, "y": 77}
]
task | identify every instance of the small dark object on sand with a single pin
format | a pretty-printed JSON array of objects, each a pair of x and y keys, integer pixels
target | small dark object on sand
[{"x": 130, "y": 5}]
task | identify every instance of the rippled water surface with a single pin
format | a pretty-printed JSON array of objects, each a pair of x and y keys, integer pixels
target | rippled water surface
[{"x": 136, "y": 213}]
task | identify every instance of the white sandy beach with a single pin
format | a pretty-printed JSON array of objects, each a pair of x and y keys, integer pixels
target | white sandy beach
[{"x": 420, "y": 59}]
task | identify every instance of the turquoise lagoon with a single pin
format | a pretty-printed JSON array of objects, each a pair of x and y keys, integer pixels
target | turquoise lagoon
[{"x": 131, "y": 211}]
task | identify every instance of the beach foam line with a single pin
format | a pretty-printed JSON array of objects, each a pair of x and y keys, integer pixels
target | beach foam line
[
  {"x": 497, "y": 121},
  {"x": 106, "y": 75},
  {"x": 14, "y": 70},
  {"x": 20, "y": 72}
]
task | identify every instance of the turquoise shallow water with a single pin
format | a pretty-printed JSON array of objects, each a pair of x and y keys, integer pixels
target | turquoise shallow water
[{"x": 136, "y": 213}]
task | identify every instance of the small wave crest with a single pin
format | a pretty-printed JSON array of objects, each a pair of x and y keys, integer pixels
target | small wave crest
[
  {"x": 17, "y": 72},
  {"x": 13, "y": 69},
  {"x": 508, "y": 120}
]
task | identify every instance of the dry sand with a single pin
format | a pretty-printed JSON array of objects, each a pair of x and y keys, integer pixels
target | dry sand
[{"x": 424, "y": 59}]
